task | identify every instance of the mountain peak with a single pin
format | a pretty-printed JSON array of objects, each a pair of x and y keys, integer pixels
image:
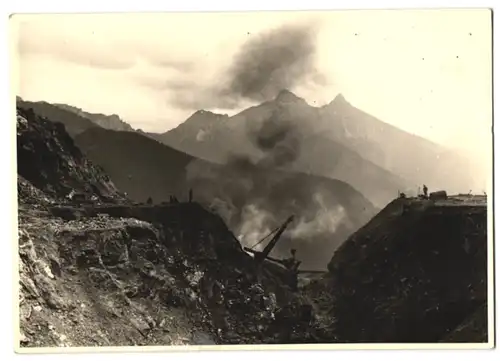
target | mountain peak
[
  {"x": 287, "y": 96},
  {"x": 203, "y": 112},
  {"x": 206, "y": 114},
  {"x": 203, "y": 118},
  {"x": 339, "y": 99}
]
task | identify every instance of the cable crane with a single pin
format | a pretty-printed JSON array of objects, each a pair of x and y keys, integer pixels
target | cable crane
[{"x": 260, "y": 256}]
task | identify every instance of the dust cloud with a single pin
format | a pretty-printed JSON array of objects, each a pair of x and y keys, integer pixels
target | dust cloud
[{"x": 254, "y": 196}]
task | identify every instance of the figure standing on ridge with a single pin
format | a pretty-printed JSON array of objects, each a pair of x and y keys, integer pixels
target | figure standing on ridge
[
  {"x": 190, "y": 195},
  {"x": 425, "y": 191},
  {"x": 292, "y": 264}
]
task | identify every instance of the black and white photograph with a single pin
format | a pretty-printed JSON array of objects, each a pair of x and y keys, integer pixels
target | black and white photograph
[{"x": 254, "y": 178}]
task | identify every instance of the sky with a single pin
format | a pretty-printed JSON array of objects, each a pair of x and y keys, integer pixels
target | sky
[{"x": 426, "y": 72}]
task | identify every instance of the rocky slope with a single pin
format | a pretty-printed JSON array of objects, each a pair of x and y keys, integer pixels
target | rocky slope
[
  {"x": 108, "y": 280},
  {"x": 113, "y": 273},
  {"x": 49, "y": 159},
  {"x": 417, "y": 272},
  {"x": 138, "y": 165}
]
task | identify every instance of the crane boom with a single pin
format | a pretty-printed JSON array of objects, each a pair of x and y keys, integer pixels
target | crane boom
[{"x": 260, "y": 256}]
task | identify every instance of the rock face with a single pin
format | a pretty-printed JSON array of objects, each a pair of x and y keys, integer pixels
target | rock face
[
  {"x": 50, "y": 161},
  {"x": 416, "y": 273},
  {"x": 109, "y": 280}
]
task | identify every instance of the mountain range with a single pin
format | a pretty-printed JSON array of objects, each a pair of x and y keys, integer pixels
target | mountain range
[
  {"x": 337, "y": 141},
  {"x": 332, "y": 166},
  {"x": 75, "y": 119}
]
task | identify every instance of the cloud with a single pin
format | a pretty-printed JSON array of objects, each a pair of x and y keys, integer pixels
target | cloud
[
  {"x": 281, "y": 58},
  {"x": 93, "y": 51},
  {"x": 97, "y": 43}
]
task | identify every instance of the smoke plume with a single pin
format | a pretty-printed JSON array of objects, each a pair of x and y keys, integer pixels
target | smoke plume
[
  {"x": 254, "y": 226},
  {"x": 325, "y": 219},
  {"x": 281, "y": 58},
  {"x": 271, "y": 61},
  {"x": 253, "y": 193},
  {"x": 254, "y": 196},
  {"x": 278, "y": 141}
]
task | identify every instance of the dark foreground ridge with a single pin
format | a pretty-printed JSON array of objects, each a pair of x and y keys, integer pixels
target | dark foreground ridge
[
  {"x": 110, "y": 272},
  {"x": 416, "y": 273}
]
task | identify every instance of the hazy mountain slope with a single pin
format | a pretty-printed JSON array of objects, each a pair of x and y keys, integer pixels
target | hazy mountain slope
[
  {"x": 316, "y": 153},
  {"x": 407, "y": 155},
  {"x": 336, "y": 161},
  {"x": 225, "y": 136},
  {"x": 337, "y": 140},
  {"x": 251, "y": 199},
  {"x": 74, "y": 123},
  {"x": 113, "y": 122},
  {"x": 140, "y": 166},
  {"x": 195, "y": 133}
]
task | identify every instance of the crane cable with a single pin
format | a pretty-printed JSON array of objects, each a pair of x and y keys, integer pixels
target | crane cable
[{"x": 263, "y": 239}]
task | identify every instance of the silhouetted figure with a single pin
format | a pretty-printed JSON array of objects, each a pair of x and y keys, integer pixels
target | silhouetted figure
[
  {"x": 425, "y": 191},
  {"x": 292, "y": 264},
  {"x": 190, "y": 195},
  {"x": 149, "y": 201}
]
